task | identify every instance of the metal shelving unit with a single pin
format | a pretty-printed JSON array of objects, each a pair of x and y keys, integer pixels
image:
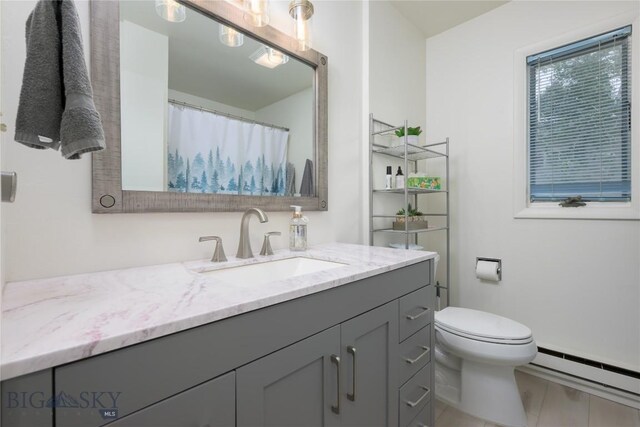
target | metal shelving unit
[{"x": 410, "y": 154}]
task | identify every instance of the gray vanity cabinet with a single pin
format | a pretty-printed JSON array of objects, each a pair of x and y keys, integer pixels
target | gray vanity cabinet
[
  {"x": 369, "y": 368},
  {"x": 209, "y": 404},
  {"x": 295, "y": 386},
  {"x": 354, "y": 355}
]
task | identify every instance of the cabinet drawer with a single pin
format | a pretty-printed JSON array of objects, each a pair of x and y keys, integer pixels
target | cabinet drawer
[
  {"x": 415, "y": 352},
  {"x": 415, "y": 311},
  {"x": 414, "y": 395},
  {"x": 210, "y": 404},
  {"x": 423, "y": 419}
]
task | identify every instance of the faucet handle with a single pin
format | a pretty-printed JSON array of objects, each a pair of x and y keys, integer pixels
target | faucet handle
[
  {"x": 218, "y": 253},
  {"x": 266, "y": 244}
]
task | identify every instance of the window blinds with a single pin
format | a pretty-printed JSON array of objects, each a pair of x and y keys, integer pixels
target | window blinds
[{"x": 580, "y": 120}]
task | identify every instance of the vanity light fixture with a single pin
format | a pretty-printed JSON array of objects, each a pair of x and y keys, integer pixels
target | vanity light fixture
[
  {"x": 230, "y": 36},
  {"x": 301, "y": 11},
  {"x": 171, "y": 10},
  {"x": 256, "y": 12},
  {"x": 269, "y": 57}
]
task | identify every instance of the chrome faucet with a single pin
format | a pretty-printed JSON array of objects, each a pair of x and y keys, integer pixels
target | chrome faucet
[{"x": 244, "y": 246}]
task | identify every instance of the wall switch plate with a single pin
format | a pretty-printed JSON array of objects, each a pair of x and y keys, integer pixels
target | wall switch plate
[{"x": 9, "y": 184}]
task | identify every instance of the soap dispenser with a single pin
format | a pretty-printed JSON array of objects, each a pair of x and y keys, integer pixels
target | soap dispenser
[{"x": 298, "y": 230}]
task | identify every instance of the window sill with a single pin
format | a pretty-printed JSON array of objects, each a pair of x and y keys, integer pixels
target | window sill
[{"x": 609, "y": 211}]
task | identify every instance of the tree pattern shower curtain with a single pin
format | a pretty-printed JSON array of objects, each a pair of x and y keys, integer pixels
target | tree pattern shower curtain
[{"x": 211, "y": 153}]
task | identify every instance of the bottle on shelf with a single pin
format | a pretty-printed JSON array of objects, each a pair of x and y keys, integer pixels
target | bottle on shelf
[
  {"x": 399, "y": 178},
  {"x": 388, "y": 179}
]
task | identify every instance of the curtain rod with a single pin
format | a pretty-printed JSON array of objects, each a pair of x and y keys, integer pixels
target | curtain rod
[{"x": 231, "y": 116}]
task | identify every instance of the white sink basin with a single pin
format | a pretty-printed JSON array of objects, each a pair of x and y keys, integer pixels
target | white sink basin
[{"x": 270, "y": 271}]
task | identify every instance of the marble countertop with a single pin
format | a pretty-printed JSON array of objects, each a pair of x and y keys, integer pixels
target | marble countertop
[{"x": 49, "y": 322}]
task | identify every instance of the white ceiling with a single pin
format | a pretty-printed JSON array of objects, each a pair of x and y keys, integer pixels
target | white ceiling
[
  {"x": 198, "y": 62},
  {"x": 435, "y": 16}
]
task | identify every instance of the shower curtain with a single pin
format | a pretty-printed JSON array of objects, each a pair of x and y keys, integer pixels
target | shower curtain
[{"x": 211, "y": 153}]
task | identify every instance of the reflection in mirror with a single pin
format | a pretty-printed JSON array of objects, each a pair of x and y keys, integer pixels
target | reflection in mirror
[{"x": 206, "y": 109}]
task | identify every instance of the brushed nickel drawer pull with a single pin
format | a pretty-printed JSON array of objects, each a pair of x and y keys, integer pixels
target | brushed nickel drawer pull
[
  {"x": 336, "y": 360},
  {"x": 352, "y": 351},
  {"x": 424, "y": 311},
  {"x": 412, "y": 361},
  {"x": 417, "y": 402}
]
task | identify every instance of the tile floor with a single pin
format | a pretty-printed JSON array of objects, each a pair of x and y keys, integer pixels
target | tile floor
[{"x": 551, "y": 405}]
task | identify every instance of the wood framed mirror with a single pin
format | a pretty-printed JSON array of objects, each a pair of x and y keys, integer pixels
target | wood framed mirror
[{"x": 184, "y": 132}]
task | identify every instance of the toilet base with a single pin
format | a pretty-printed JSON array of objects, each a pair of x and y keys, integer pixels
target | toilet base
[{"x": 485, "y": 391}]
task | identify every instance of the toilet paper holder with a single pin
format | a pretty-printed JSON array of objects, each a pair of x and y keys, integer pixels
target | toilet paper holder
[{"x": 498, "y": 260}]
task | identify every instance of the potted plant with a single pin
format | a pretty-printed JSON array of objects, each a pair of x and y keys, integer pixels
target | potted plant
[
  {"x": 416, "y": 219},
  {"x": 412, "y": 134}
]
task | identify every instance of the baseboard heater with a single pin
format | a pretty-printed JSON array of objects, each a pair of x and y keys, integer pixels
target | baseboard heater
[{"x": 602, "y": 374}]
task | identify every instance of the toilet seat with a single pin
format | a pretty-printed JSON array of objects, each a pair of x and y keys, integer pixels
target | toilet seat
[
  {"x": 485, "y": 339},
  {"x": 486, "y": 352},
  {"x": 482, "y": 326}
]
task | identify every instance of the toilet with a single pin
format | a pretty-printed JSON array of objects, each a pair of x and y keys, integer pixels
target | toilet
[{"x": 476, "y": 354}]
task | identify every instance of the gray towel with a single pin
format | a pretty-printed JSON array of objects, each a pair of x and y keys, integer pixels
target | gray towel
[
  {"x": 56, "y": 107},
  {"x": 306, "y": 187}
]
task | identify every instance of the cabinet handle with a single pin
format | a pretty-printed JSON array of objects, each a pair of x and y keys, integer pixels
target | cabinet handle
[
  {"x": 424, "y": 311},
  {"x": 421, "y": 425},
  {"x": 352, "y": 351},
  {"x": 417, "y": 402},
  {"x": 412, "y": 361},
  {"x": 336, "y": 360}
]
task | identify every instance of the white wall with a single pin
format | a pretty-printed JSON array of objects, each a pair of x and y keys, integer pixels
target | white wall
[
  {"x": 575, "y": 283},
  {"x": 144, "y": 82},
  {"x": 51, "y": 231},
  {"x": 296, "y": 113},
  {"x": 396, "y": 93}
]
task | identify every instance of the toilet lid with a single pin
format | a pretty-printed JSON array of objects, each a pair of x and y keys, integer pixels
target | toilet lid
[{"x": 482, "y": 325}]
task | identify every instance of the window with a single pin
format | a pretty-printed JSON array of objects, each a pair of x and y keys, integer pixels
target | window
[{"x": 579, "y": 120}]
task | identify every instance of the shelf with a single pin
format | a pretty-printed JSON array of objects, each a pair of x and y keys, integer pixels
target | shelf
[
  {"x": 422, "y": 230},
  {"x": 414, "y": 152},
  {"x": 387, "y": 131},
  {"x": 383, "y": 141},
  {"x": 382, "y": 123},
  {"x": 409, "y": 190}
]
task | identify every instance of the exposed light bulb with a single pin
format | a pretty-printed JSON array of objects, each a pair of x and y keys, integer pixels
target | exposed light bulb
[
  {"x": 171, "y": 10},
  {"x": 276, "y": 57},
  {"x": 256, "y": 12},
  {"x": 301, "y": 11},
  {"x": 230, "y": 36}
]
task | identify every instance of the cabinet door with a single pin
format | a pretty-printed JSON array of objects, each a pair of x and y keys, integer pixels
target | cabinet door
[
  {"x": 296, "y": 386},
  {"x": 369, "y": 362},
  {"x": 24, "y": 400},
  {"x": 211, "y": 404}
]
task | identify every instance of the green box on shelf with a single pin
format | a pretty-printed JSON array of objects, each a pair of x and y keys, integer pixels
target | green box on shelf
[{"x": 425, "y": 182}]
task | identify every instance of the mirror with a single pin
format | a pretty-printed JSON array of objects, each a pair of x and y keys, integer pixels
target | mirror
[{"x": 213, "y": 115}]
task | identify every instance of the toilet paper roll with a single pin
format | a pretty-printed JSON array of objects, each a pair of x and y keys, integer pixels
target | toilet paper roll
[{"x": 487, "y": 270}]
